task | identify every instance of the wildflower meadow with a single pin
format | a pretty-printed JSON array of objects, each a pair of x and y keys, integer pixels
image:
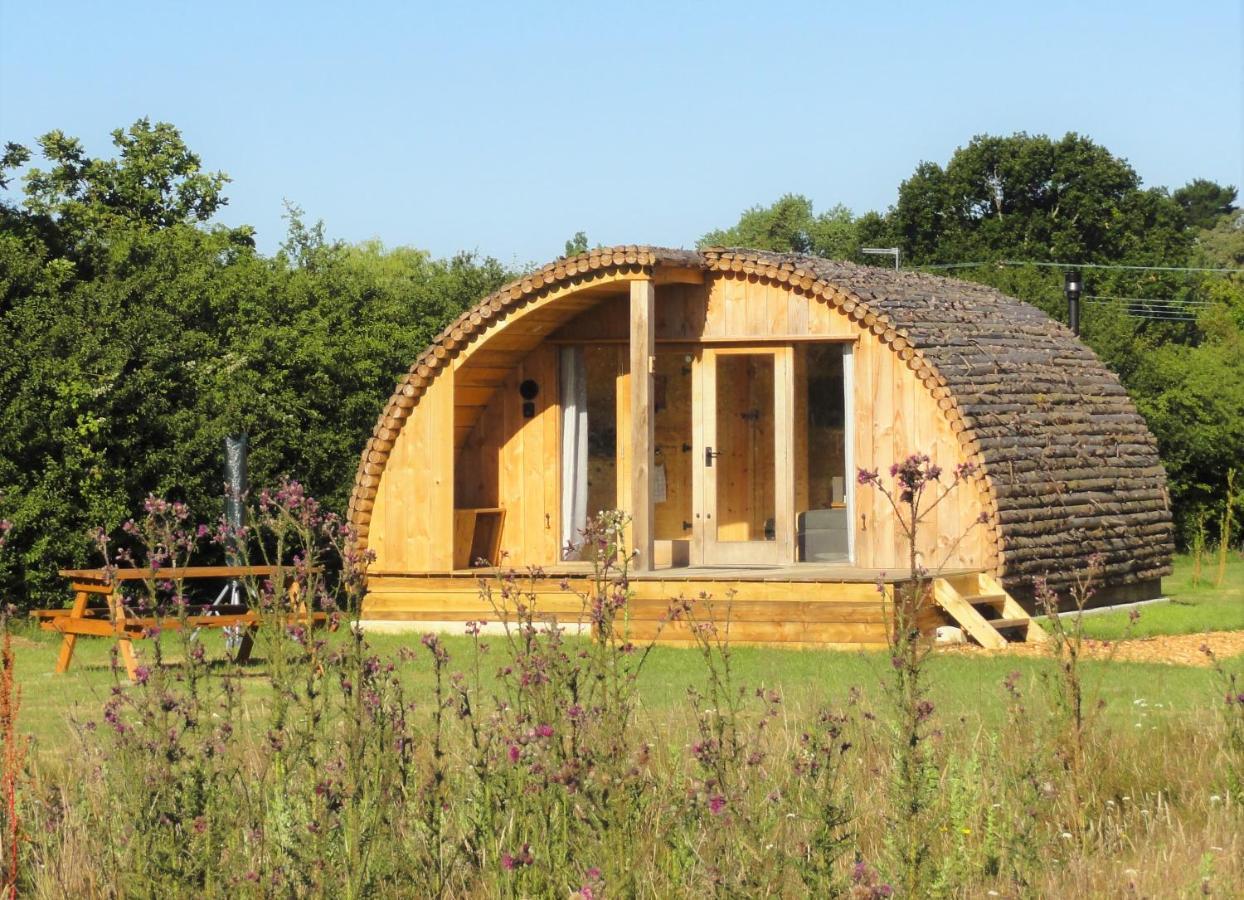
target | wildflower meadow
[{"x": 537, "y": 756}]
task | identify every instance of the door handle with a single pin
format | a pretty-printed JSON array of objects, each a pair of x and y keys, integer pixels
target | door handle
[{"x": 709, "y": 455}]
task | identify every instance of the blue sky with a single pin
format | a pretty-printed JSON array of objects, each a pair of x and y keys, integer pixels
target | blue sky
[{"x": 504, "y": 128}]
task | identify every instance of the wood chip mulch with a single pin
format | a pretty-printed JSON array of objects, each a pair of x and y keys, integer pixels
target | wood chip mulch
[{"x": 1178, "y": 649}]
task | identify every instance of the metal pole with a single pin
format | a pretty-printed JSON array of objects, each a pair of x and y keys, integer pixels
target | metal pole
[
  {"x": 1073, "y": 287},
  {"x": 235, "y": 499}
]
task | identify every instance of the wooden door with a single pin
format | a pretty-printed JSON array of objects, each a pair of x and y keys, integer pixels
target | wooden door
[{"x": 745, "y": 489}]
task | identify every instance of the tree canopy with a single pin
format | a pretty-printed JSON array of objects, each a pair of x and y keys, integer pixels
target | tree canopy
[
  {"x": 791, "y": 225},
  {"x": 1205, "y": 202},
  {"x": 134, "y": 335}
]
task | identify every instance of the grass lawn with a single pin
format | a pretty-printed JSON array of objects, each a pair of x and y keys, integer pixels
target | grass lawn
[
  {"x": 968, "y": 687},
  {"x": 1192, "y": 608}
]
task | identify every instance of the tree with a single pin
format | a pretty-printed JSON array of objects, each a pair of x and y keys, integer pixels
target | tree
[
  {"x": 1033, "y": 198},
  {"x": 577, "y": 244},
  {"x": 1192, "y": 397},
  {"x": 1222, "y": 246},
  {"x": 1204, "y": 202},
  {"x": 791, "y": 226},
  {"x": 156, "y": 182}
]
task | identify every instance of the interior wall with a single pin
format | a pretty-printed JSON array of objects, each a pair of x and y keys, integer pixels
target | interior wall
[{"x": 514, "y": 461}]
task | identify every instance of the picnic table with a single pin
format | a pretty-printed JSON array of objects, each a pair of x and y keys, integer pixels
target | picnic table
[{"x": 100, "y": 609}]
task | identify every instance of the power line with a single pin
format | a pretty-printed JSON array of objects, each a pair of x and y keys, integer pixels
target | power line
[
  {"x": 1154, "y": 310},
  {"x": 1077, "y": 265},
  {"x": 1151, "y": 300}
]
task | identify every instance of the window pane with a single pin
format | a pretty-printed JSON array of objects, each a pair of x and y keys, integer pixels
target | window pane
[
  {"x": 589, "y": 381},
  {"x": 820, "y": 475},
  {"x": 671, "y": 474}
]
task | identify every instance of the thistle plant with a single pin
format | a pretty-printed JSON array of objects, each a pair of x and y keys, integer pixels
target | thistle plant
[
  {"x": 160, "y": 542},
  {"x": 750, "y": 795},
  {"x": 1067, "y": 644},
  {"x": 563, "y": 780},
  {"x": 916, "y": 492}
]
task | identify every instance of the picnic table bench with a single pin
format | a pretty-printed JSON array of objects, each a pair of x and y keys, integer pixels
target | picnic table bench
[{"x": 100, "y": 610}]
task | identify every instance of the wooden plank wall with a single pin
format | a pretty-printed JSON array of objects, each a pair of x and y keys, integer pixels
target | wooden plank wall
[
  {"x": 793, "y": 614},
  {"x": 412, "y": 521},
  {"x": 894, "y": 415}
]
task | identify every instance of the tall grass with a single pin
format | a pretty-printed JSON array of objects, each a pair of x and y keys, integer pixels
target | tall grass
[{"x": 531, "y": 765}]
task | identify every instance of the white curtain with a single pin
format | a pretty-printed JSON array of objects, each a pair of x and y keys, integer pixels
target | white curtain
[{"x": 574, "y": 446}]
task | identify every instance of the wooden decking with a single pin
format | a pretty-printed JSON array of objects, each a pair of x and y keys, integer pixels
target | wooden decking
[
  {"x": 800, "y": 572},
  {"x": 804, "y": 605}
]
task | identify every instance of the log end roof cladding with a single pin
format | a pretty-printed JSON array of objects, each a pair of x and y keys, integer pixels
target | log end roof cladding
[{"x": 1070, "y": 467}]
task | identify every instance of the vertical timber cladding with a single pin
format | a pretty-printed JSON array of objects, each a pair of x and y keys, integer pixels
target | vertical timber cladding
[
  {"x": 412, "y": 519},
  {"x": 894, "y": 413},
  {"x": 505, "y": 459}
]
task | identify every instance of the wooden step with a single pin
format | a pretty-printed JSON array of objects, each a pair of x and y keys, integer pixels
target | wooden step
[
  {"x": 966, "y": 615},
  {"x": 1010, "y": 609},
  {"x": 1003, "y": 624},
  {"x": 990, "y": 600}
]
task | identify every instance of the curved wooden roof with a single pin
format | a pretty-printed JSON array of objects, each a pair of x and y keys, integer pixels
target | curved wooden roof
[{"x": 1070, "y": 467}]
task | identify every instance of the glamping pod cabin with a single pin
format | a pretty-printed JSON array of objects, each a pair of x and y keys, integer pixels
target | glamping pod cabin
[{"x": 725, "y": 399}]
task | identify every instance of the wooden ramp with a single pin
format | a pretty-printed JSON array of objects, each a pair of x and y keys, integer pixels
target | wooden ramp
[{"x": 979, "y": 605}]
